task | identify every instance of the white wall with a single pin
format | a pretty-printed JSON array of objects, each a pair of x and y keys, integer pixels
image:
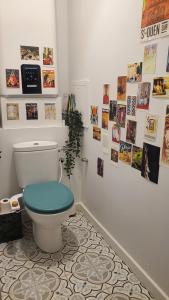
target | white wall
[
  {"x": 41, "y": 23},
  {"x": 30, "y": 23},
  {"x": 104, "y": 38}
]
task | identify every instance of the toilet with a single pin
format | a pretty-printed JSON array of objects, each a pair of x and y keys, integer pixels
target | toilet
[{"x": 47, "y": 202}]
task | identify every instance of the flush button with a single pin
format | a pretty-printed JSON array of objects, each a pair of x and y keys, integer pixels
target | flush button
[{"x": 36, "y": 144}]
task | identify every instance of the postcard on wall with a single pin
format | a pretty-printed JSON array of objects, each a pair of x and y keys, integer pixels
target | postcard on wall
[
  {"x": 131, "y": 105},
  {"x": 12, "y": 111},
  {"x": 48, "y": 78},
  {"x": 150, "y": 162},
  {"x": 113, "y": 111},
  {"x": 151, "y": 124},
  {"x": 105, "y": 143},
  {"x": 50, "y": 111},
  {"x": 121, "y": 88},
  {"x": 149, "y": 64},
  {"x": 143, "y": 95},
  {"x": 116, "y": 133},
  {"x": 161, "y": 87},
  {"x": 12, "y": 78},
  {"x": 167, "y": 67},
  {"x": 100, "y": 166},
  {"x": 125, "y": 152},
  {"x": 165, "y": 149},
  {"x": 106, "y": 92},
  {"x": 105, "y": 118},
  {"x": 96, "y": 133},
  {"x": 114, "y": 156},
  {"x": 137, "y": 154},
  {"x": 29, "y": 53},
  {"x": 121, "y": 115},
  {"x": 155, "y": 19},
  {"x": 31, "y": 111},
  {"x": 134, "y": 72},
  {"x": 94, "y": 114},
  {"x": 131, "y": 131},
  {"x": 48, "y": 56}
]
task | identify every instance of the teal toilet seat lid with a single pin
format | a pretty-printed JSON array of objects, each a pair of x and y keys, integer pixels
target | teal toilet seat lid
[{"x": 48, "y": 197}]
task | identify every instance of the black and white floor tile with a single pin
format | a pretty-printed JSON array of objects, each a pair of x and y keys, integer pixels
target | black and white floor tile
[{"x": 85, "y": 268}]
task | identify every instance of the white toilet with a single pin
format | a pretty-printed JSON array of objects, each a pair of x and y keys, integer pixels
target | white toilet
[{"x": 47, "y": 202}]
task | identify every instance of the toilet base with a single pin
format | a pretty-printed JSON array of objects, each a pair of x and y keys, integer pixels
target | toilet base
[{"x": 48, "y": 240}]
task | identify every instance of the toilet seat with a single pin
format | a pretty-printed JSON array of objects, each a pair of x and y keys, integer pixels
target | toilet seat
[{"x": 48, "y": 197}]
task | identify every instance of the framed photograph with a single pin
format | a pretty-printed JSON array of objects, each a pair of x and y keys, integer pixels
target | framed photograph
[
  {"x": 12, "y": 111},
  {"x": 151, "y": 125},
  {"x": 125, "y": 152},
  {"x": 50, "y": 111},
  {"x": 47, "y": 56},
  {"x": 121, "y": 115},
  {"x": 131, "y": 131},
  {"x": 106, "y": 91},
  {"x": 31, "y": 111},
  {"x": 96, "y": 133},
  {"x": 165, "y": 148},
  {"x": 121, "y": 88},
  {"x": 161, "y": 87},
  {"x": 94, "y": 114},
  {"x": 137, "y": 154},
  {"x": 131, "y": 105},
  {"x": 12, "y": 78},
  {"x": 100, "y": 166},
  {"x": 149, "y": 64},
  {"x": 116, "y": 133},
  {"x": 105, "y": 118},
  {"x": 150, "y": 162},
  {"x": 134, "y": 72},
  {"x": 48, "y": 78},
  {"x": 29, "y": 53},
  {"x": 143, "y": 95},
  {"x": 113, "y": 111},
  {"x": 114, "y": 156}
]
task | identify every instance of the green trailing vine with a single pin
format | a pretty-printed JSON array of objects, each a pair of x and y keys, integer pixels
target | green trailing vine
[{"x": 72, "y": 146}]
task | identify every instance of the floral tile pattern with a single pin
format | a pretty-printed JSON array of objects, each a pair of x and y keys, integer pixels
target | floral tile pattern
[{"x": 86, "y": 268}]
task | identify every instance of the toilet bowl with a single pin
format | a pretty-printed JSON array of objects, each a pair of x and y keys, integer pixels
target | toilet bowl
[{"x": 47, "y": 202}]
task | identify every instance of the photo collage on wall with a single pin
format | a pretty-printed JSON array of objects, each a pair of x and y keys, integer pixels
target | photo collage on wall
[
  {"x": 123, "y": 110},
  {"x": 32, "y": 54},
  {"x": 31, "y": 111}
]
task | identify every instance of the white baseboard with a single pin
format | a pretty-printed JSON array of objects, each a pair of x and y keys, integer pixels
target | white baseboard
[{"x": 150, "y": 284}]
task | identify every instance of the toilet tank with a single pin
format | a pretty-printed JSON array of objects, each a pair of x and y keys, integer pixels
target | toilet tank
[{"x": 35, "y": 162}]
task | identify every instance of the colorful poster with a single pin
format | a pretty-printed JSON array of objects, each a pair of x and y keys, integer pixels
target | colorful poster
[
  {"x": 116, "y": 133},
  {"x": 155, "y": 19},
  {"x": 29, "y": 53},
  {"x": 114, "y": 156},
  {"x": 121, "y": 115},
  {"x": 161, "y": 87},
  {"x": 100, "y": 166},
  {"x": 165, "y": 149},
  {"x": 12, "y": 111},
  {"x": 31, "y": 111},
  {"x": 131, "y": 131},
  {"x": 125, "y": 152},
  {"x": 113, "y": 111},
  {"x": 151, "y": 124},
  {"x": 105, "y": 143},
  {"x": 167, "y": 67},
  {"x": 150, "y": 162},
  {"x": 105, "y": 118},
  {"x": 96, "y": 133},
  {"x": 134, "y": 72},
  {"x": 106, "y": 91},
  {"x": 137, "y": 154},
  {"x": 143, "y": 95},
  {"x": 131, "y": 105},
  {"x": 121, "y": 88},
  {"x": 12, "y": 78},
  {"x": 149, "y": 64},
  {"x": 50, "y": 111},
  {"x": 48, "y": 56},
  {"x": 94, "y": 114},
  {"x": 48, "y": 78}
]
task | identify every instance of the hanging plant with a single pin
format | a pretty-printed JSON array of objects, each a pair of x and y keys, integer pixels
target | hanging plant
[{"x": 72, "y": 146}]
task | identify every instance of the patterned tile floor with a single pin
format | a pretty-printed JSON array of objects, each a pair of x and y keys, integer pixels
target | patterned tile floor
[{"x": 85, "y": 268}]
